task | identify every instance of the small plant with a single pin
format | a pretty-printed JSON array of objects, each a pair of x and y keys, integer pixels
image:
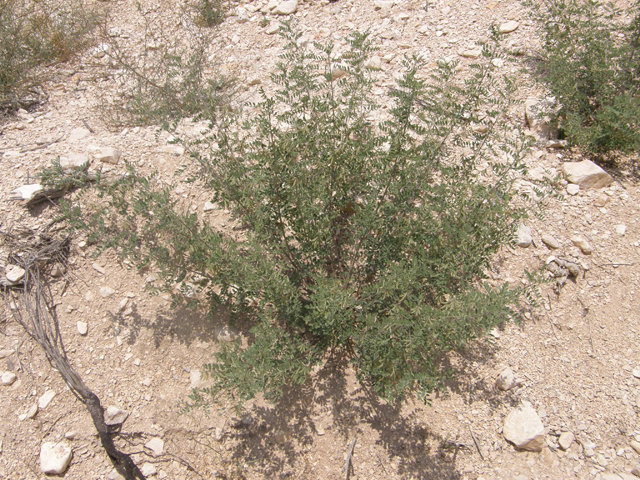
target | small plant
[
  {"x": 168, "y": 78},
  {"x": 34, "y": 33},
  {"x": 209, "y": 13},
  {"x": 366, "y": 231},
  {"x": 590, "y": 61}
]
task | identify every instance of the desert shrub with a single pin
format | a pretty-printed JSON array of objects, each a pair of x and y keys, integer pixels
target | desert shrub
[
  {"x": 168, "y": 76},
  {"x": 590, "y": 61},
  {"x": 209, "y": 13},
  {"x": 34, "y": 33},
  {"x": 365, "y": 231}
]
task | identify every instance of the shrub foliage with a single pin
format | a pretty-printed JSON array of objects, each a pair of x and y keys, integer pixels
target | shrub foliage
[
  {"x": 590, "y": 61},
  {"x": 366, "y": 231}
]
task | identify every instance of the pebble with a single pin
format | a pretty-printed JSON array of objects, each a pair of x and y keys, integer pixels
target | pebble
[
  {"x": 470, "y": 53},
  {"x": 109, "y": 155},
  {"x": 70, "y": 435},
  {"x": 114, "y": 475},
  {"x": 635, "y": 445},
  {"x": 582, "y": 244},
  {"x": 565, "y": 440},
  {"x": 195, "y": 376},
  {"x": 148, "y": 469},
  {"x": 78, "y": 134},
  {"x": 523, "y": 236},
  {"x": 508, "y": 27},
  {"x": 272, "y": 29},
  {"x": 26, "y": 192},
  {"x": 225, "y": 333},
  {"x": 55, "y": 458},
  {"x": 74, "y": 161},
  {"x": 506, "y": 380},
  {"x": 550, "y": 241},
  {"x": 524, "y": 429},
  {"x": 620, "y": 230},
  {"x": 8, "y": 378},
  {"x": 83, "y": 328},
  {"x": 156, "y": 445},
  {"x": 98, "y": 268},
  {"x": 115, "y": 416},
  {"x": 208, "y": 206},
  {"x": 45, "y": 399},
  {"x": 573, "y": 189},
  {"x": 14, "y": 273},
  {"x": 106, "y": 292},
  {"x": 636, "y": 372},
  {"x": 5, "y": 353},
  {"x": 286, "y": 8},
  {"x": 88, "y": 296}
]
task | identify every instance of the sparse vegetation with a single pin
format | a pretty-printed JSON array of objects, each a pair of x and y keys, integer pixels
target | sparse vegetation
[
  {"x": 590, "y": 61},
  {"x": 33, "y": 34}
]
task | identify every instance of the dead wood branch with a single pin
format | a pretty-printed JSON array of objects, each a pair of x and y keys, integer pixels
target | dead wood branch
[{"x": 31, "y": 303}]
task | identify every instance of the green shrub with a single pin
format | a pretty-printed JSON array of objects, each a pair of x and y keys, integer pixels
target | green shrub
[
  {"x": 365, "y": 230},
  {"x": 591, "y": 62},
  {"x": 34, "y": 33}
]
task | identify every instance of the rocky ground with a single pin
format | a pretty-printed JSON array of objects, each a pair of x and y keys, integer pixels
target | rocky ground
[{"x": 564, "y": 384}]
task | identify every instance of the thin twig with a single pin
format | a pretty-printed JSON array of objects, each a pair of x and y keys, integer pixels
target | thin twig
[
  {"x": 347, "y": 464},
  {"x": 475, "y": 440}
]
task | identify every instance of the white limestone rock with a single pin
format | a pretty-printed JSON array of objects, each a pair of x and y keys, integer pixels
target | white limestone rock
[
  {"x": 286, "y": 8},
  {"x": 523, "y": 236},
  {"x": 45, "y": 399},
  {"x": 115, "y": 416},
  {"x": 156, "y": 445},
  {"x": 523, "y": 428},
  {"x": 586, "y": 174},
  {"x": 55, "y": 458}
]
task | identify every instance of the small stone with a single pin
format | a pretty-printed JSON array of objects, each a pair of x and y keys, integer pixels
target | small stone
[
  {"x": 373, "y": 63},
  {"x": 620, "y": 230},
  {"x": 636, "y": 372},
  {"x": 74, "y": 161},
  {"x": 32, "y": 412},
  {"x": 54, "y": 458},
  {"x": 470, "y": 53},
  {"x": 573, "y": 189},
  {"x": 114, "y": 475},
  {"x": 281, "y": 436},
  {"x": 506, "y": 380},
  {"x": 156, "y": 445},
  {"x": 635, "y": 445},
  {"x": 57, "y": 270},
  {"x": 45, "y": 399},
  {"x": 225, "y": 333},
  {"x": 136, "y": 362},
  {"x": 600, "y": 201},
  {"x": 148, "y": 469},
  {"x": 151, "y": 278},
  {"x": 78, "y": 134},
  {"x": 5, "y": 353},
  {"x": 208, "y": 206},
  {"x": 146, "y": 382},
  {"x": 176, "y": 150},
  {"x": 109, "y": 155},
  {"x": 9, "y": 378},
  {"x": 508, "y": 27},
  {"x": 636, "y": 470},
  {"x": 70, "y": 435},
  {"x": 195, "y": 376},
  {"x": 219, "y": 434},
  {"x": 26, "y": 192},
  {"x": 565, "y": 440},
  {"x": 115, "y": 416},
  {"x": 586, "y": 174},
  {"x": 88, "y": 296},
  {"x": 524, "y": 429},
  {"x": 83, "y": 328},
  {"x": 98, "y": 268},
  {"x": 287, "y": 7},
  {"x": 550, "y": 242},
  {"x": 106, "y": 292},
  {"x": 14, "y": 273},
  {"x": 382, "y": 5},
  {"x": 523, "y": 236},
  {"x": 272, "y": 29},
  {"x": 582, "y": 244}
]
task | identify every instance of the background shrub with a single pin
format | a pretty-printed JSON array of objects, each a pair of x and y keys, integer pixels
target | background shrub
[
  {"x": 365, "y": 231},
  {"x": 35, "y": 33},
  {"x": 591, "y": 62}
]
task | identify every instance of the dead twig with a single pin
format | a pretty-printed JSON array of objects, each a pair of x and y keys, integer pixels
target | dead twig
[
  {"x": 475, "y": 440},
  {"x": 347, "y": 464},
  {"x": 31, "y": 303}
]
